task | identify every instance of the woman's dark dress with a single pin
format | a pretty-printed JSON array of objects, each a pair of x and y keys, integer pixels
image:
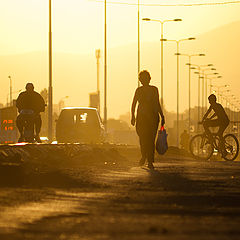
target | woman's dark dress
[{"x": 147, "y": 119}]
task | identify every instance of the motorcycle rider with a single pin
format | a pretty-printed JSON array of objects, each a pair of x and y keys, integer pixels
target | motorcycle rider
[{"x": 30, "y": 101}]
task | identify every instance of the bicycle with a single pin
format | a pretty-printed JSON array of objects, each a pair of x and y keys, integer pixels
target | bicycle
[{"x": 202, "y": 146}]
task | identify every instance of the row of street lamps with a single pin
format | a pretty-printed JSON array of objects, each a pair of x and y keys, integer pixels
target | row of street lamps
[
  {"x": 178, "y": 70},
  {"x": 178, "y": 54},
  {"x": 232, "y": 104},
  {"x": 105, "y": 67},
  {"x": 162, "y": 39},
  {"x": 205, "y": 73},
  {"x": 189, "y": 83},
  {"x": 201, "y": 69}
]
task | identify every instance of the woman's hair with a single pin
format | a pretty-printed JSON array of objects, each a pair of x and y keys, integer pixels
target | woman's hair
[{"x": 144, "y": 77}]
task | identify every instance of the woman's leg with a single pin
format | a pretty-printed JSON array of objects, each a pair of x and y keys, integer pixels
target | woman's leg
[
  {"x": 151, "y": 144},
  {"x": 151, "y": 148},
  {"x": 143, "y": 148},
  {"x": 142, "y": 140},
  {"x": 147, "y": 130}
]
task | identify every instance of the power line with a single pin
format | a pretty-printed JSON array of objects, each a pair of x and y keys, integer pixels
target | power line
[{"x": 171, "y": 5}]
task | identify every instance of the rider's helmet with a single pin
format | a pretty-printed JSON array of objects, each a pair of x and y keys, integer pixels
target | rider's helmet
[
  {"x": 29, "y": 87},
  {"x": 212, "y": 99},
  {"x": 144, "y": 77}
]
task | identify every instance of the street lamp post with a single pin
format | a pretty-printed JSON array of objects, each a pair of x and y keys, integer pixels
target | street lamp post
[
  {"x": 237, "y": 125},
  {"x": 200, "y": 69},
  {"x": 97, "y": 53},
  {"x": 10, "y": 90},
  {"x": 138, "y": 43},
  {"x": 203, "y": 69},
  {"x": 236, "y": 113},
  {"x": 229, "y": 111},
  {"x": 12, "y": 94},
  {"x": 221, "y": 94},
  {"x": 212, "y": 78},
  {"x": 189, "y": 85},
  {"x": 228, "y": 99},
  {"x": 105, "y": 64},
  {"x": 199, "y": 85},
  {"x": 202, "y": 94},
  {"x": 206, "y": 83},
  {"x": 162, "y": 23},
  {"x": 231, "y": 107},
  {"x": 178, "y": 54},
  {"x": 234, "y": 109},
  {"x": 50, "y": 90},
  {"x": 226, "y": 102},
  {"x": 218, "y": 88}
]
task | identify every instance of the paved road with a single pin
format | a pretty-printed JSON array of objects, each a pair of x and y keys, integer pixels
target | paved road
[{"x": 102, "y": 194}]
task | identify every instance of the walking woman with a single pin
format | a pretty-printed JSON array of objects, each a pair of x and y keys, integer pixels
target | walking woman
[{"x": 147, "y": 119}]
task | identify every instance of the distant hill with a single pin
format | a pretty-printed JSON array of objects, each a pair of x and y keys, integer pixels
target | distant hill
[{"x": 75, "y": 75}]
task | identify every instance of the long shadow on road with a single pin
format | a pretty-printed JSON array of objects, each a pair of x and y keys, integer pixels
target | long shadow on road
[{"x": 176, "y": 193}]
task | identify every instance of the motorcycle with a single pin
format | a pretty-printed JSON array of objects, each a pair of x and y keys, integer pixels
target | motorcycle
[{"x": 28, "y": 118}]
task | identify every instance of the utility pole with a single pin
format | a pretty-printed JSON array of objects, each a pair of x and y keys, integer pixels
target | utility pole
[
  {"x": 162, "y": 64},
  {"x": 138, "y": 44},
  {"x": 177, "y": 93},
  {"x": 178, "y": 54},
  {"x": 105, "y": 65},
  {"x": 199, "y": 92},
  {"x": 202, "y": 77},
  {"x": 97, "y": 53},
  {"x": 189, "y": 95},
  {"x": 10, "y": 90},
  {"x": 162, "y": 39},
  {"x": 50, "y": 97}
]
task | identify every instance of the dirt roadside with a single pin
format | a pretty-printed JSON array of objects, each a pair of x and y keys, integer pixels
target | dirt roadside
[{"x": 102, "y": 194}]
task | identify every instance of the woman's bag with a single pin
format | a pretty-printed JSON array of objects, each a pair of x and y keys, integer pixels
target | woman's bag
[{"x": 161, "y": 144}]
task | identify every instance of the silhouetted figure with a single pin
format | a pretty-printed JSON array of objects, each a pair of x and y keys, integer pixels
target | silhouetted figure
[
  {"x": 33, "y": 101},
  {"x": 222, "y": 120},
  {"x": 184, "y": 140},
  {"x": 147, "y": 119}
]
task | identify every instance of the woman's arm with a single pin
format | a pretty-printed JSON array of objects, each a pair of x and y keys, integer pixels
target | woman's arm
[
  {"x": 160, "y": 109},
  {"x": 134, "y": 103}
]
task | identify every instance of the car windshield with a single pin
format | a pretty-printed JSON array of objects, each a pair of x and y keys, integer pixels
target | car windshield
[{"x": 84, "y": 117}]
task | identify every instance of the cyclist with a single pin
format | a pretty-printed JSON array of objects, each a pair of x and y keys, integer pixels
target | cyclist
[
  {"x": 222, "y": 120},
  {"x": 30, "y": 100}
]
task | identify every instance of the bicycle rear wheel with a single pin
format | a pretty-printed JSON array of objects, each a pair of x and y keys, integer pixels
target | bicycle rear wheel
[
  {"x": 231, "y": 146},
  {"x": 200, "y": 148}
]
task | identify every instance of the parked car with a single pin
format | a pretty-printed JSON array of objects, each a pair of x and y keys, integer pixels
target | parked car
[{"x": 79, "y": 125}]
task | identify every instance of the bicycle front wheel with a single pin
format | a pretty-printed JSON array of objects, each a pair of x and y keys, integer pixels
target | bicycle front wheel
[
  {"x": 200, "y": 148},
  {"x": 231, "y": 146}
]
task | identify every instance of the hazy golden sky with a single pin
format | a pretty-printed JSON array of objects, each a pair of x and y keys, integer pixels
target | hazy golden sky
[
  {"x": 78, "y": 24},
  {"x": 78, "y": 27}
]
